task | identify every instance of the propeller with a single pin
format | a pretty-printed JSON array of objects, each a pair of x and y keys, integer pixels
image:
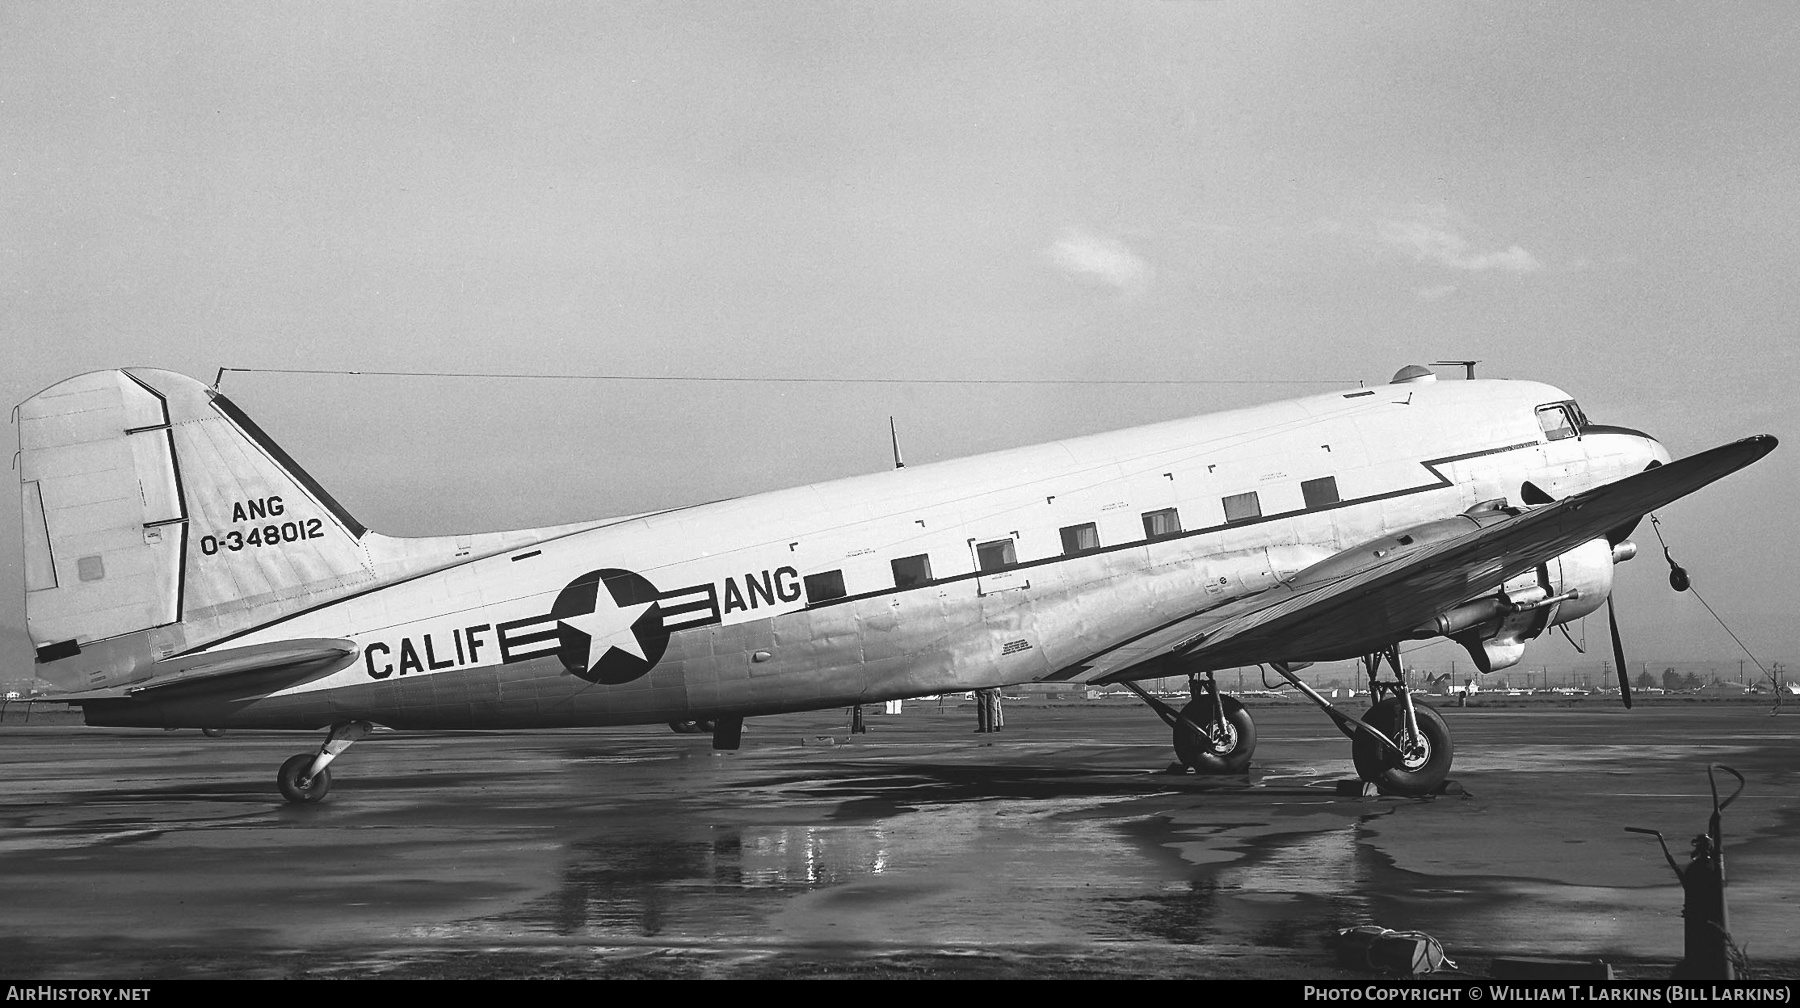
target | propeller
[
  {"x": 1678, "y": 580},
  {"x": 1612, "y": 623}
]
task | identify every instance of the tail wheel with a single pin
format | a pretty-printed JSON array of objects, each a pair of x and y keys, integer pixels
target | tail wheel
[
  {"x": 1215, "y": 746},
  {"x": 1428, "y": 756},
  {"x": 289, "y": 779}
]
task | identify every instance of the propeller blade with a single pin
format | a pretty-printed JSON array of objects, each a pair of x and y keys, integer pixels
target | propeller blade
[{"x": 1612, "y": 623}]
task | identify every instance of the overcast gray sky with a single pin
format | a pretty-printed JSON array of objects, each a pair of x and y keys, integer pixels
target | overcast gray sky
[{"x": 1602, "y": 196}]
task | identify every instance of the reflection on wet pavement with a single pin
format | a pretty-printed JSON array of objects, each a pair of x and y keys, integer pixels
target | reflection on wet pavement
[{"x": 913, "y": 842}]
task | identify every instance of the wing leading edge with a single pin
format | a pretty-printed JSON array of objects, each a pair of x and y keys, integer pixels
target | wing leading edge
[{"x": 1370, "y": 608}]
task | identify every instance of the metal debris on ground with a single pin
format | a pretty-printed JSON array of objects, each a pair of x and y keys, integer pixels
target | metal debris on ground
[{"x": 1384, "y": 950}]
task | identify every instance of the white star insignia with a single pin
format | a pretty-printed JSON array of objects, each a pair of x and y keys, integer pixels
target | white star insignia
[{"x": 609, "y": 627}]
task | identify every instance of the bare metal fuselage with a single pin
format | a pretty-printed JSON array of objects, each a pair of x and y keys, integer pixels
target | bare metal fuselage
[{"x": 789, "y": 600}]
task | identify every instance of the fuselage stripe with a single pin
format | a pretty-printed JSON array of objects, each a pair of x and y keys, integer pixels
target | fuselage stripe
[{"x": 706, "y": 609}]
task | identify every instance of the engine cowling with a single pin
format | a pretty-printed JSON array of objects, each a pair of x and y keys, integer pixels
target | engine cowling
[
  {"x": 1494, "y": 628},
  {"x": 1587, "y": 570}
]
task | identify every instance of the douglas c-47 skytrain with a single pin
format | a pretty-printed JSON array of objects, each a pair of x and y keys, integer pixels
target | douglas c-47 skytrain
[{"x": 182, "y": 571}]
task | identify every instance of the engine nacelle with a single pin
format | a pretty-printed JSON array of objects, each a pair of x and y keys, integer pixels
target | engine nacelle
[
  {"x": 1494, "y": 628},
  {"x": 1587, "y": 571}
]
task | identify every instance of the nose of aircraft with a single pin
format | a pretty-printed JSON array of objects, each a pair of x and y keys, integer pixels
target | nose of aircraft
[{"x": 1647, "y": 452}]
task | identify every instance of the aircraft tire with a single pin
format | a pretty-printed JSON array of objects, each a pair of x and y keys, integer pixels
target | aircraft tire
[
  {"x": 1227, "y": 754},
  {"x": 1419, "y": 776},
  {"x": 691, "y": 727},
  {"x": 289, "y": 779},
  {"x": 213, "y": 732}
]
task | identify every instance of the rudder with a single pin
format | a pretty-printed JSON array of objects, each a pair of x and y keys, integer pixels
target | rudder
[{"x": 154, "y": 507}]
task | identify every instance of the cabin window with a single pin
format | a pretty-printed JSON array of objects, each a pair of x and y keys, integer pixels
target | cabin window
[
  {"x": 1320, "y": 492},
  {"x": 1242, "y": 507},
  {"x": 996, "y": 555},
  {"x": 912, "y": 570},
  {"x": 1157, "y": 524},
  {"x": 823, "y": 586},
  {"x": 1076, "y": 538},
  {"x": 1556, "y": 422}
]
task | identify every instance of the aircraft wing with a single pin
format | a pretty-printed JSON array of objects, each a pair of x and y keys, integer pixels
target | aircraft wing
[
  {"x": 1367, "y": 609},
  {"x": 259, "y": 667}
]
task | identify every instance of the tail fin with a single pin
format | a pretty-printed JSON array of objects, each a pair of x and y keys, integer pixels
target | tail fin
[{"x": 156, "y": 511}]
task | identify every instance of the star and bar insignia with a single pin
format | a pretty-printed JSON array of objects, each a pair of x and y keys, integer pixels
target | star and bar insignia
[{"x": 609, "y": 626}]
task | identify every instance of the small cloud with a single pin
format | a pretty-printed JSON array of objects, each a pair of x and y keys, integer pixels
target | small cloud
[
  {"x": 1426, "y": 235},
  {"x": 1091, "y": 260},
  {"x": 1435, "y": 293}
]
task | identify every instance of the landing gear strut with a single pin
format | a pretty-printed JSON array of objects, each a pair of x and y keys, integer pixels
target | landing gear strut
[{"x": 304, "y": 778}]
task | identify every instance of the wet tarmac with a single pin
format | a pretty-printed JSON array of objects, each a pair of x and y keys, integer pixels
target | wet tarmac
[{"x": 1058, "y": 848}]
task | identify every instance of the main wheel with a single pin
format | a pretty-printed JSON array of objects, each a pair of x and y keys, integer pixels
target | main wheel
[
  {"x": 289, "y": 779},
  {"x": 691, "y": 727},
  {"x": 1222, "y": 748},
  {"x": 1428, "y": 757}
]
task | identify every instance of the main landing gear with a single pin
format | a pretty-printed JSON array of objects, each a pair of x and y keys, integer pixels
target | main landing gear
[
  {"x": 1423, "y": 761},
  {"x": 1400, "y": 745},
  {"x": 305, "y": 778},
  {"x": 1213, "y": 732}
]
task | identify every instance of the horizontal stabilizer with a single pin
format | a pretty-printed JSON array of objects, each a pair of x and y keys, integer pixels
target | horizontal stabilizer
[
  {"x": 270, "y": 666},
  {"x": 273, "y": 657}
]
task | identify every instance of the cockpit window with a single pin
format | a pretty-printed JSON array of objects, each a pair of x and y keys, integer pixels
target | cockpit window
[{"x": 1559, "y": 420}]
